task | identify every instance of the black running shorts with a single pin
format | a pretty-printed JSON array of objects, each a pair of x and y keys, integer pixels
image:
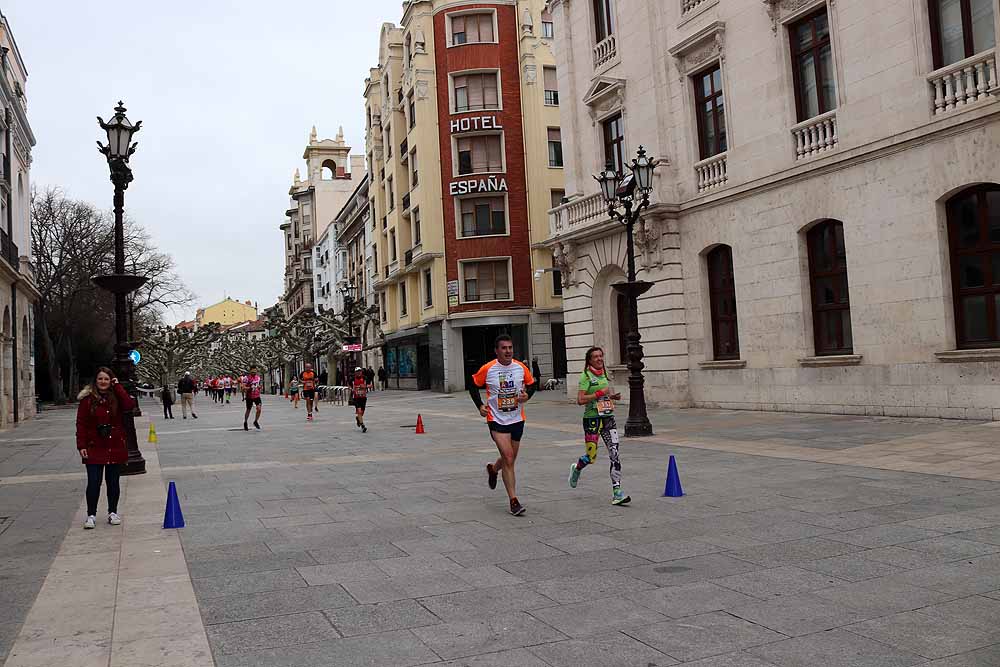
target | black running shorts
[{"x": 516, "y": 429}]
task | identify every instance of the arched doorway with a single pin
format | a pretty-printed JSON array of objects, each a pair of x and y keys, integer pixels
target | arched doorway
[
  {"x": 610, "y": 314},
  {"x": 8, "y": 366}
]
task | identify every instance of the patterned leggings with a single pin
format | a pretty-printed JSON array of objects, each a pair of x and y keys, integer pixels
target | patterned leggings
[{"x": 601, "y": 428}]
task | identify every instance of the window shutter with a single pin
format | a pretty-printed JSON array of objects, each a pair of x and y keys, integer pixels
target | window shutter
[
  {"x": 490, "y": 91},
  {"x": 480, "y": 159},
  {"x": 472, "y": 27},
  {"x": 555, "y": 134},
  {"x": 549, "y": 76},
  {"x": 494, "y": 157},
  {"x": 486, "y": 28},
  {"x": 476, "y": 91},
  {"x": 457, "y": 24}
]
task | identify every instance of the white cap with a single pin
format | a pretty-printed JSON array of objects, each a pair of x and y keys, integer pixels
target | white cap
[
  {"x": 357, "y": 368},
  {"x": 187, "y": 372}
]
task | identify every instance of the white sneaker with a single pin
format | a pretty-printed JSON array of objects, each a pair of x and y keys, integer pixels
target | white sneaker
[
  {"x": 114, "y": 519},
  {"x": 90, "y": 523}
]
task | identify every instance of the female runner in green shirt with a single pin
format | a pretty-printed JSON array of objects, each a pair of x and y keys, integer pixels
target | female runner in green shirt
[{"x": 596, "y": 393}]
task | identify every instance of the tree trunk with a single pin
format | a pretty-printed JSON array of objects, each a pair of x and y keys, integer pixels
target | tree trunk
[{"x": 49, "y": 359}]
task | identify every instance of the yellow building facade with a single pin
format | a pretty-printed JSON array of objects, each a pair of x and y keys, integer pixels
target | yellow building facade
[
  {"x": 464, "y": 152},
  {"x": 227, "y": 312}
]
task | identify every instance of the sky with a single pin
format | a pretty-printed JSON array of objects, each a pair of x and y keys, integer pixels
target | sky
[{"x": 227, "y": 92}]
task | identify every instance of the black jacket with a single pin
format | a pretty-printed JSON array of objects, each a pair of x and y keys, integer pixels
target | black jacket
[{"x": 185, "y": 386}]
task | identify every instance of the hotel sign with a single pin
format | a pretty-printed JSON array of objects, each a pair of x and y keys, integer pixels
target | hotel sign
[
  {"x": 477, "y": 185},
  {"x": 475, "y": 124}
]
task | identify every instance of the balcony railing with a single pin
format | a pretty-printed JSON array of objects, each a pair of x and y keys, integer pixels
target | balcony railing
[
  {"x": 712, "y": 172},
  {"x": 385, "y": 271},
  {"x": 605, "y": 50},
  {"x": 965, "y": 82},
  {"x": 404, "y": 150},
  {"x": 688, "y": 6},
  {"x": 577, "y": 213},
  {"x": 406, "y": 201},
  {"x": 816, "y": 135},
  {"x": 9, "y": 251},
  {"x": 408, "y": 257},
  {"x": 393, "y": 267}
]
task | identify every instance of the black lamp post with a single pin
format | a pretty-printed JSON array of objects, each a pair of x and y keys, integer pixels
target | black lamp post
[
  {"x": 349, "y": 291},
  {"x": 626, "y": 196},
  {"x": 120, "y": 147}
]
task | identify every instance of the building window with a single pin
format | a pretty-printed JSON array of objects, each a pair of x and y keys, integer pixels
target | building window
[
  {"x": 388, "y": 142},
  {"x": 556, "y": 198},
  {"x": 812, "y": 66},
  {"x": 411, "y": 106},
  {"x": 472, "y": 29},
  {"x": 548, "y": 28},
  {"x": 603, "y": 23},
  {"x": 428, "y": 289},
  {"x": 613, "y": 130},
  {"x": 551, "y": 86},
  {"x": 414, "y": 177},
  {"x": 557, "y": 286},
  {"x": 402, "y": 298},
  {"x": 711, "y": 112},
  {"x": 960, "y": 29},
  {"x": 722, "y": 299},
  {"x": 392, "y": 245},
  {"x": 974, "y": 246},
  {"x": 555, "y": 147},
  {"x": 390, "y": 195},
  {"x": 479, "y": 154},
  {"x": 828, "y": 283},
  {"x": 486, "y": 280},
  {"x": 483, "y": 216},
  {"x": 475, "y": 92},
  {"x": 415, "y": 218}
]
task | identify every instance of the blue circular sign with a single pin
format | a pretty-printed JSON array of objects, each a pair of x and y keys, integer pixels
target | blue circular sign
[{"x": 135, "y": 356}]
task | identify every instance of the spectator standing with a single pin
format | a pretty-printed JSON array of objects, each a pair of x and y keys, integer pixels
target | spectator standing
[
  {"x": 187, "y": 388},
  {"x": 166, "y": 395},
  {"x": 383, "y": 378}
]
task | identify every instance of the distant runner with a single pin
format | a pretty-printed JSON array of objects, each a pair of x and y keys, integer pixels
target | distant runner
[
  {"x": 308, "y": 378},
  {"x": 293, "y": 390},
  {"x": 509, "y": 384},
  {"x": 359, "y": 394},
  {"x": 596, "y": 393},
  {"x": 251, "y": 393}
]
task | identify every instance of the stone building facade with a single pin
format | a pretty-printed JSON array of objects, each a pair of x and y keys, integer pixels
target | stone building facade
[
  {"x": 465, "y": 156},
  {"x": 18, "y": 292},
  {"x": 825, "y": 233},
  {"x": 332, "y": 174}
]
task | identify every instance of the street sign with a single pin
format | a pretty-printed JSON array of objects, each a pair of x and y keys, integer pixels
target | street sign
[
  {"x": 351, "y": 347},
  {"x": 134, "y": 356}
]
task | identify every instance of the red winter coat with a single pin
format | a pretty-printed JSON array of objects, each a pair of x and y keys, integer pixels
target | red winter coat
[{"x": 102, "y": 450}]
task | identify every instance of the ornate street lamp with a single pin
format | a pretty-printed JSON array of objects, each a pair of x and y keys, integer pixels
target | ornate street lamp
[
  {"x": 626, "y": 196},
  {"x": 120, "y": 147},
  {"x": 349, "y": 291}
]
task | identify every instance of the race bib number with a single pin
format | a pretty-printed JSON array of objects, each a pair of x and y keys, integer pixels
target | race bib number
[
  {"x": 508, "y": 394},
  {"x": 360, "y": 391},
  {"x": 507, "y": 402},
  {"x": 605, "y": 406}
]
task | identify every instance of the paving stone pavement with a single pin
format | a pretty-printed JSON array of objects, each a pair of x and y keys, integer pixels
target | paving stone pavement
[{"x": 803, "y": 540}]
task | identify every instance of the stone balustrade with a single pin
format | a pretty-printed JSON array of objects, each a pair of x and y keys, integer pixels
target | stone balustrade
[
  {"x": 816, "y": 135},
  {"x": 712, "y": 172},
  {"x": 690, "y": 5},
  {"x": 578, "y": 213},
  {"x": 965, "y": 82},
  {"x": 605, "y": 50}
]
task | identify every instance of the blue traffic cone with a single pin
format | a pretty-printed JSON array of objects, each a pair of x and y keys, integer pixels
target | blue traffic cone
[
  {"x": 673, "y": 488},
  {"x": 172, "y": 517}
]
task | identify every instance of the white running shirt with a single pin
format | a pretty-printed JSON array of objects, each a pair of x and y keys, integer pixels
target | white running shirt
[{"x": 503, "y": 386}]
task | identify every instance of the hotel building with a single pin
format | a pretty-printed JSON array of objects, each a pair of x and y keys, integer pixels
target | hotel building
[{"x": 465, "y": 154}]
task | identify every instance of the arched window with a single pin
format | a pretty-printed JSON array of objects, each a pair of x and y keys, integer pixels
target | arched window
[
  {"x": 974, "y": 246},
  {"x": 722, "y": 299},
  {"x": 329, "y": 170},
  {"x": 831, "y": 304}
]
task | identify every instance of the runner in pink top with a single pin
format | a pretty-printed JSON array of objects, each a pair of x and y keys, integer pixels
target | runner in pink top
[{"x": 251, "y": 393}]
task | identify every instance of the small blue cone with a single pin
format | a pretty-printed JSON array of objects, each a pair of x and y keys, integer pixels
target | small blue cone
[
  {"x": 673, "y": 488},
  {"x": 172, "y": 517}
]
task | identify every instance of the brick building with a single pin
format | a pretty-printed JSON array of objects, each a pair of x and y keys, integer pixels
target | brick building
[{"x": 465, "y": 158}]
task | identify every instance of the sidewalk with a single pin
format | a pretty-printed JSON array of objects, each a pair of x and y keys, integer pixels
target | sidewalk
[{"x": 803, "y": 540}]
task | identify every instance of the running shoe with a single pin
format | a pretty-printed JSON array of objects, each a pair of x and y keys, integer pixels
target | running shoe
[
  {"x": 309, "y": 418},
  {"x": 491, "y": 475},
  {"x": 364, "y": 429},
  {"x": 619, "y": 498},
  {"x": 256, "y": 424},
  {"x": 574, "y": 476},
  {"x": 114, "y": 519},
  {"x": 90, "y": 523},
  {"x": 516, "y": 508},
  {"x": 245, "y": 427}
]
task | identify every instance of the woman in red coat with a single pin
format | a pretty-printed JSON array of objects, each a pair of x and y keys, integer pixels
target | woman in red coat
[{"x": 100, "y": 437}]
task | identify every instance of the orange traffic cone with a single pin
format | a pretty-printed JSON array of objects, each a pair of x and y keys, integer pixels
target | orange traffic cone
[{"x": 420, "y": 424}]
